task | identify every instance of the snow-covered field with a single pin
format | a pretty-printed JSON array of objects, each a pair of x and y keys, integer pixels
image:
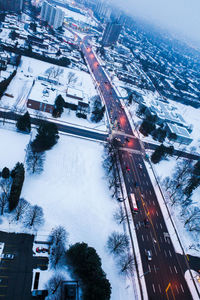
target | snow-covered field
[
  {"x": 73, "y": 193},
  {"x": 78, "y": 17}
]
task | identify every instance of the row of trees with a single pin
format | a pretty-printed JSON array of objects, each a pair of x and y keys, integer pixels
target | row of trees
[
  {"x": 4, "y": 83},
  {"x": 184, "y": 180},
  {"x": 118, "y": 246},
  {"x": 161, "y": 152},
  {"x": 18, "y": 208},
  {"x": 46, "y": 138}
]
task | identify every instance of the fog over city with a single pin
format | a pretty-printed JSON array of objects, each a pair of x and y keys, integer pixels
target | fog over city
[{"x": 179, "y": 16}]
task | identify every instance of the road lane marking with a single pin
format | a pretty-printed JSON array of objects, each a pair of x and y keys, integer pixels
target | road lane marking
[
  {"x": 159, "y": 288},
  {"x": 175, "y": 270},
  {"x": 150, "y": 192},
  {"x": 153, "y": 288},
  {"x": 156, "y": 213},
  {"x": 3, "y": 286},
  {"x": 149, "y": 268},
  {"x": 156, "y": 225},
  {"x": 155, "y": 269},
  {"x": 165, "y": 253},
  {"x": 147, "y": 183},
  {"x": 147, "y": 238},
  {"x": 170, "y": 253},
  {"x": 142, "y": 237},
  {"x": 131, "y": 189},
  {"x": 160, "y": 225},
  {"x": 170, "y": 269},
  {"x": 161, "y": 239},
  {"x": 182, "y": 288},
  {"x": 153, "y": 202},
  {"x": 177, "y": 289}
]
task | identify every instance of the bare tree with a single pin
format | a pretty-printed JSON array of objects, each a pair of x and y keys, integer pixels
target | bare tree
[
  {"x": 34, "y": 217},
  {"x": 50, "y": 71},
  {"x": 120, "y": 216},
  {"x": 5, "y": 186},
  {"x": 58, "y": 239},
  {"x": 54, "y": 286},
  {"x": 57, "y": 254},
  {"x": 34, "y": 160},
  {"x": 117, "y": 243},
  {"x": 192, "y": 218},
  {"x": 57, "y": 72},
  {"x": 71, "y": 79},
  {"x": 126, "y": 264},
  {"x": 58, "y": 235},
  {"x": 20, "y": 210},
  {"x": 3, "y": 203}
]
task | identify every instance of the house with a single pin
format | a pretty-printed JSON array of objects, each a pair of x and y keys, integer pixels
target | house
[
  {"x": 44, "y": 93},
  {"x": 183, "y": 136},
  {"x": 42, "y": 97}
]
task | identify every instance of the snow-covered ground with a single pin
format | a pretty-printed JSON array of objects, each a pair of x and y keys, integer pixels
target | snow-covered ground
[
  {"x": 79, "y": 17},
  {"x": 164, "y": 169},
  {"x": 73, "y": 192}
]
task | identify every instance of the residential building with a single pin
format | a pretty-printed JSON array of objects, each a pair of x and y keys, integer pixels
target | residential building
[
  {"x": 11, "y": 5},
  {"x": 111, "y": 33},
  {"x": 182, "y": 134},
  {"x": 53, "y": 15},
  {"x": 45, "y": 91}
]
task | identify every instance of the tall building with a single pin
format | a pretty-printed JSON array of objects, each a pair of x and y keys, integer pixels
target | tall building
[
  {"x": 111, "y": 33},
  {"x": 103, "y": 10},
  {"x": 53, "y": 15},
  {"x": 11, "y": 5}
]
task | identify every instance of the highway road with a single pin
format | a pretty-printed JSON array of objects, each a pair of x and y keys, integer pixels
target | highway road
[{"x": 164, "y": 275}]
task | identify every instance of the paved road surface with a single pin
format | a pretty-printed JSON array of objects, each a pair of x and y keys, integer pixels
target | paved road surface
[{"x": 164, "y": 273}]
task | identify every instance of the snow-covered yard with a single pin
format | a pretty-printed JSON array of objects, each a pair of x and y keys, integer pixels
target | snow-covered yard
[
  {"x": 73, "y": 192},
  {"x": 28, "y": 71}
]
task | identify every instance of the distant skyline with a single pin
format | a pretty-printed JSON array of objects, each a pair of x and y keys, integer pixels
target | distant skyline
[{"x": 178, "y": 16}]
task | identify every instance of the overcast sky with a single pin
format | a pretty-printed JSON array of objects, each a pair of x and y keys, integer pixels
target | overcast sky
[{"x": 181, "y": 16}]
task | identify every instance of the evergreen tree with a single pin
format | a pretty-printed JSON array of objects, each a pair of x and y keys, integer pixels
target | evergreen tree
[
  {"x": 17, "y": 184},
  {"x": 86, "y": 265},
  {"x": 58, "y": 107},
  {"x": 46, "y": 137},
  {"x": 194, "y": 181},
  {"x": 5, "y": 173},
  {"x": 24, "y": 123},
  {"x": 130, "y": 99},
  {"x": 147, "y": 127},
  {"x": 98, "y": 110}
]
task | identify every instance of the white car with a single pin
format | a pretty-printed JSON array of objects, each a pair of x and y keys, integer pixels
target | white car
[
  {"x": 148, "y": 254},
  {"x": 7, "y": 256}
]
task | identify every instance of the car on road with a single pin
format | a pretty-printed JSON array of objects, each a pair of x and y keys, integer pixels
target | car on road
[
  {"x": 140, "y": 166},
  {"x": 148, "y": 254},
  {"x": 136, "y": 184},
  {"x": 7, "y": 256},
  {"x": 41, "y": 249},
  {"x": 146, "y": 223}
]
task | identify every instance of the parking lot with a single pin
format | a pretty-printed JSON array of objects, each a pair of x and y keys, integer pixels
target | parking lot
[{"x": 16, "y": 270}]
